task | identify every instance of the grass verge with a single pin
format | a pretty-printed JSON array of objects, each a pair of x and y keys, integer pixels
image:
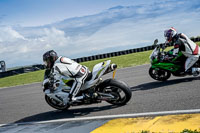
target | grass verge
[
  {"x": 184, "y": 131},
  {"x": 22, "y": 79}
]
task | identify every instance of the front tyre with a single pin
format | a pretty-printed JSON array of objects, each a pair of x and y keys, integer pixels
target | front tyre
[
  {"x": 55, "y": 104},
  {"x": 160, "y": 75},
  {"x": 119, "y": 90}
]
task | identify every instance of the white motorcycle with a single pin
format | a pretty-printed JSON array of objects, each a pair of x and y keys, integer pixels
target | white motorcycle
[{"x": 95, "y": 90}]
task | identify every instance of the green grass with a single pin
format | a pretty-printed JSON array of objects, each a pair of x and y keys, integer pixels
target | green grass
[
  {"x": 184, "y": 131},
  {"x": 22, "y": 79},
  {"x": 124, "y": 60},
  {"x": 37, "y": 76},
  {"x": 190, "y": 131}
]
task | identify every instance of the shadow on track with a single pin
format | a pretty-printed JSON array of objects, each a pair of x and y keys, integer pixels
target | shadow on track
[
  {"x": 157, "y": 84},
  {"x": 71, "y": 113}
]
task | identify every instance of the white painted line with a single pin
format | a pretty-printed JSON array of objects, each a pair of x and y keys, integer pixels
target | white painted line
[
  {"x": 112, "y": 117},
  {"x": 1, "y": 125}
]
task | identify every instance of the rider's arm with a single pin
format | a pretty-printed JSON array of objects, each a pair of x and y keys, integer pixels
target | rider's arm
[
  {"x": 178, "y": 46},
  {"x": 67, "y": 67},
  {"x": 74, "y": 70},
  {"x": 47, "y": 73}
]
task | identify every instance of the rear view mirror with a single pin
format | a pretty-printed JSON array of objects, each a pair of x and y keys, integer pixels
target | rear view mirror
[{"x": 155, "y": 42}]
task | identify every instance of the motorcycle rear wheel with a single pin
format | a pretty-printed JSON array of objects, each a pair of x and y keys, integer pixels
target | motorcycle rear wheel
[
  {"x": 54, "y": 104},
  {"x": 160, "y": 75},
  {"x": 121, "y": 92}
]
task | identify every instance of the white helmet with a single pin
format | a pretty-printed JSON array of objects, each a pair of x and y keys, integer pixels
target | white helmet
[{"x": 169, "y": 34}]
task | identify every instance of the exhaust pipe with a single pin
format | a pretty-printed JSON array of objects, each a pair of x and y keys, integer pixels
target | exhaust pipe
[{"x": 113, "y": 66}]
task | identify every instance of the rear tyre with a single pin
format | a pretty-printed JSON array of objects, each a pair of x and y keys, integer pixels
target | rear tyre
[
  {"x": 160, "y": 75},
  {"x": 55, "y": 104},
  {"x": 121, "y": 92}
]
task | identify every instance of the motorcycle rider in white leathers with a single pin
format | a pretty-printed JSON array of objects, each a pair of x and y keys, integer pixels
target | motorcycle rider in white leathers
[
  {"x": 189, "y": 49},
  {"x": 62, "y": 66}
]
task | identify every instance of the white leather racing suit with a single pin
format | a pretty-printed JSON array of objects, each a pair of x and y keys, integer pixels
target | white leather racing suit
[
  {"x": 70, "y": 70},
  {"x": 190, "y": 49}
]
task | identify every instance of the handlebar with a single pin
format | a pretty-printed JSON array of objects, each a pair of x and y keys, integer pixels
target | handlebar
[{"x": 163, "y": 55}]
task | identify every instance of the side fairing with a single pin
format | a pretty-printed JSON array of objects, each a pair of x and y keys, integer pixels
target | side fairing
[
  {"x": 166, "y": 66},
  {"x": 97, "y": 72}
]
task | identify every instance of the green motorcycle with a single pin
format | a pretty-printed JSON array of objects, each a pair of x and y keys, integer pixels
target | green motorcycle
[{"x": 163, "y": 63}]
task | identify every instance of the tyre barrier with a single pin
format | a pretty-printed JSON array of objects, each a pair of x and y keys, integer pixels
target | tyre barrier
[
  {"x": 83, "y": 59},
  {"x": 113, "y": 54},
  {"x": 197, "y": 39}
]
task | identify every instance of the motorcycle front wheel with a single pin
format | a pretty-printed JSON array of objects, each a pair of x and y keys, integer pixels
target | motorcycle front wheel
[
  {"x": 160, "y": 75},
  {"x": 120, "y": 92},
  {"x": 53, "y": 103}
]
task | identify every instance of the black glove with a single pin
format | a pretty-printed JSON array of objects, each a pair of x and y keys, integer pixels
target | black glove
[{"x": 168, "y": 44}]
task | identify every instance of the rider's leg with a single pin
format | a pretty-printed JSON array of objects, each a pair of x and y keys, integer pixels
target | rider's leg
[
  {"x": 79, "y": 81},
  {"x": 190, "y": 62},
  {"x": 196, "y": 70}
]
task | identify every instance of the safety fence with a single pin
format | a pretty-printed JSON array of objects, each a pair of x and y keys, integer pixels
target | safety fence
[
  {"x": 21, "y": 70},
  {"x": 82, "y": 59}
]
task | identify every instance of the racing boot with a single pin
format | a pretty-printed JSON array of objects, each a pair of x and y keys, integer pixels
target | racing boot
[
  {"x": 181, "y": 71},
  {"x": 195, "y": 71}
]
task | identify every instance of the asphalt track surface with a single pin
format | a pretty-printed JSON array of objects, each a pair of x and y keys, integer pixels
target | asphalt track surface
[{"x": 26, "y": 103}]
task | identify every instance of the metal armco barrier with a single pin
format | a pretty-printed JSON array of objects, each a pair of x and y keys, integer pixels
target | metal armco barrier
[
  {"x": 21, "y": 70},
  {"x": 83, "y": 59}
]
